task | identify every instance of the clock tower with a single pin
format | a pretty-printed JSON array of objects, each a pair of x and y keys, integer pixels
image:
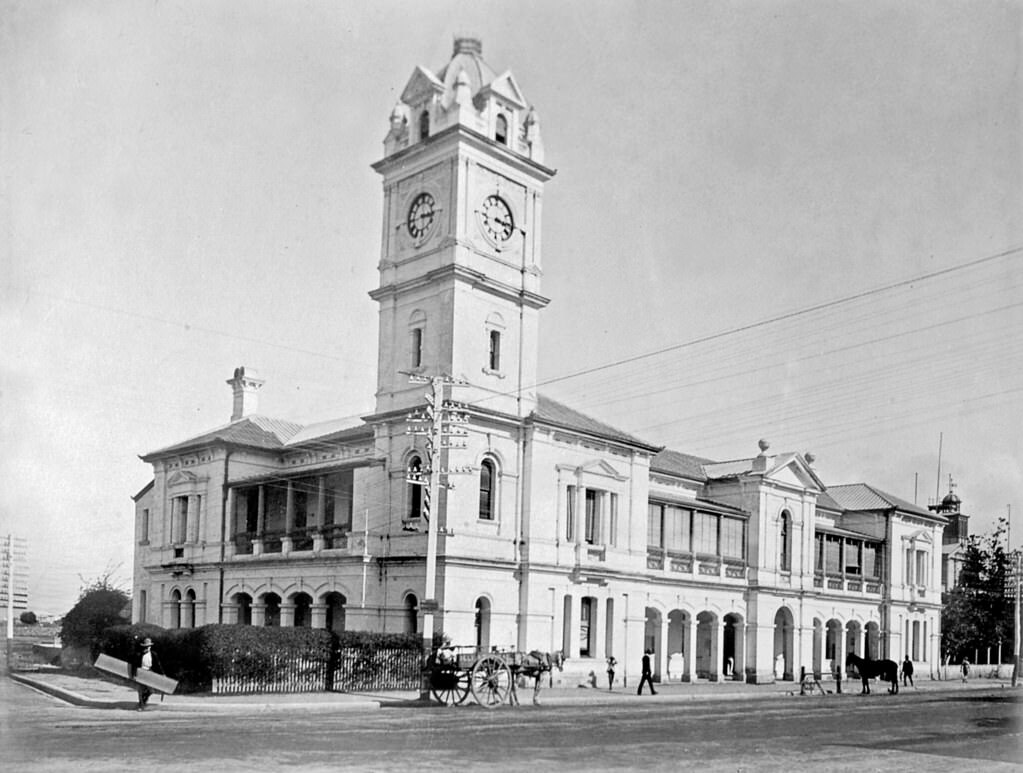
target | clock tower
[{"x": 460, "y": 266}]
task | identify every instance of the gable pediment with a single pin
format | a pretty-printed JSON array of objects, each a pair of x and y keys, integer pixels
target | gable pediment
[
  {"x": 598, "y": 467},
  {"x": 505, "y": 87},
  {"x": 183, "y": 478},
  {"x": 420, "y": 84},
  {"x": 793, "y": 471}
]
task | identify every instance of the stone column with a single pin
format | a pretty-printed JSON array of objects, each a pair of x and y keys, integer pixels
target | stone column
[
  {"x": 257, "y": 541},
  {"x": 287, "y": 615},
  {"x": 717, "y": 648},
  {"x": 689, "y": 672},
  {"x": 230, "y": 613},
  {"x": 289, "y": 520},
  {"x": 318, "y": 521},
  {"x": 573, "y": 627},
  {"x": 318, "y": 615},
  {"x": 191, "y": 525},
  {"x": 661, "y": 668},
  {"x": 258, "y": 613}
]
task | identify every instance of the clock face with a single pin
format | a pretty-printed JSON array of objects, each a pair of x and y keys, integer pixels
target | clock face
[
  {"x": 420, "y": 216},
  {"x": 496, "y": 219}
]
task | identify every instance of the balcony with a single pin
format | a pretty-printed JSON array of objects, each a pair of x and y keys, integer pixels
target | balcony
[
  {"x": 848, "y": 583},
  {"x": 298, "y": 543},
  {"x": 695, "y": 565}
]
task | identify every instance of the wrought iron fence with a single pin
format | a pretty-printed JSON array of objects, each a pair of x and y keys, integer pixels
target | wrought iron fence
[{"x": 355, "y": 670}]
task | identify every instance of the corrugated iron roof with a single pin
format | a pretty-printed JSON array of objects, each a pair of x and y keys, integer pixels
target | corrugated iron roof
[
  {"x": 253, "y": 431},
  {"x": 677, "y": 463},
  {"x": 861, "y": 496},
  {"x": 552, "y": 412}
]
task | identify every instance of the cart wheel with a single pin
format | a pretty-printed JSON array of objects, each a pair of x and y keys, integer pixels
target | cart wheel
[
  {"x": 451, "y": 687},
  {"x": 490, "y": 681}
]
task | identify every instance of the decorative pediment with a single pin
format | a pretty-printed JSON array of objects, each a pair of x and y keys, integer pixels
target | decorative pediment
[
  {"x": 184, "y": 479},
  {"x": 792, "y": 470},
  {"x": 602, "y": 468},
  {"x": 922, "y": 535},
  {"x": 422, "y": 83},
  {"x": 504, "y": 86}
]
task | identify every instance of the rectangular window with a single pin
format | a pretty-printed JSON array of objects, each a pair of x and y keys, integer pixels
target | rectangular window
[
  {"x": 180, "y": 510},
  {"x": 921, "y": 567},
  {"x": 818, "y": 552},
  {"x": 612, "y": 517},
  {"x": 705, "y": 533},
  {"x": 654, "y": 527},
  {"x": 143, "y": 602},
  {"x": 144, "y": 526},
  {"x": 832, "y": 554},
  {"x": 871, "y": 563},
  {"x": 570, "y": 515},
  {"x": 416, "y": 345},
  {"x": 852, "y": 556},
  {"x": 733, "y": 533},
  {"x": 909, "y": 566},
  {"x": 495, "y": 350},
  {"x": 677, "y": 529},
  {"x": 592, "y": 533}
]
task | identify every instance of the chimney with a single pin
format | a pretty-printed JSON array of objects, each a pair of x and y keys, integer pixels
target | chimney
[{"x": 245, "y": 385}]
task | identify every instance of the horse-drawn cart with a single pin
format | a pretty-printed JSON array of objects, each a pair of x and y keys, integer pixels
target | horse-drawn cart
[{"x": 454, "y": 673}]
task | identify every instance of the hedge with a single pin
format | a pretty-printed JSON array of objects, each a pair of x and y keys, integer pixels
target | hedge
[{"x": 197, "y": 656}]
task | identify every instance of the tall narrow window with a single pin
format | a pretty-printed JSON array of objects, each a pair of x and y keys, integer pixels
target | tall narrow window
[
  {"x": 495, "y": 350},
  {"x": 424, "y": 124},
  {"x": 585, "y": 626},
  {"x": 416, "y": 347},
  {"x": 144, "y": 526},
  {"x": 501, "y": 130},
  {"x": 143, "y": 603},
  {"x": 570, "y": 514},
  {"x": 181, "y": 522},
  {"x": 592, "y": 534},
  {"x": 612, "y": 521},
  {"x": 487, "y": 490},
  {"x": 786, "y": 541},
  {"x": 415, "y": 487},
  {"x": 654, "y": 526}
]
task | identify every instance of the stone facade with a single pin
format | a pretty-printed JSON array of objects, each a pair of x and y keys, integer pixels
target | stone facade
[{"x": 555, "y": 531}]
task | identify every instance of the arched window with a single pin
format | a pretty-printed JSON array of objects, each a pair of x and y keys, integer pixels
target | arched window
[
  {"x": 175, "y": 609},
  {"x": 424, "y": 124},
  {"x": 501, "y": 130},
  {"x": 415, "y": 488},
  {"x": 482, "y": 624},
  {"x": 188, "y": 609},
  {"x": 411, "y": 614},
  {"x": 487, "y": 479},
  {"x": 785, "y": 539},
  {"x": 417, "y": 329}
]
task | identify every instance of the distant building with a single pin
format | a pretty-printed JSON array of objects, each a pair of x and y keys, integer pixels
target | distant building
[
  {"x": 559, "y": 532},
  {"x": 954, "y": 537}
]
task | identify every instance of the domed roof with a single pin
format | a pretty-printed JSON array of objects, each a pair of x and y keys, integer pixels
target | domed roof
[
  {"x": 951, "y": 500},
  {"x": 467, "y": 57}
]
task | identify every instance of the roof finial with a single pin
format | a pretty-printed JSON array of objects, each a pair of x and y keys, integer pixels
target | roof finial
[{"x": 764, "y": 445}]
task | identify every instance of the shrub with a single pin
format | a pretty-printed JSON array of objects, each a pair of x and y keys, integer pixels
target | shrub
[
  {"x": 98, "y": 608},
  {"x": 29, "y": 618}
]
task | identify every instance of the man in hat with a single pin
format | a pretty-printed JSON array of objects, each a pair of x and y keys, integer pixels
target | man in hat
[
  {"x": 646, "y": 677},
  {"x": 145, "y": 660}
]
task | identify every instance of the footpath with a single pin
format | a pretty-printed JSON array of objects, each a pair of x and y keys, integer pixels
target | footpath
[{"x": 99, "y": 693}]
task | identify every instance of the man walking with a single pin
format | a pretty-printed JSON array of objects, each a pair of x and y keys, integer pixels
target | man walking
[
  {"x": 647, "y": 677},
  {"x": 907, "y": 672}
]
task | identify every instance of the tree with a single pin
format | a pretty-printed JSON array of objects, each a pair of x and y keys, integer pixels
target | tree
[
  {"x": 29, "y": 618},
  {"x": 977, "y": 613},
  {"x": 100, "y": 605}
]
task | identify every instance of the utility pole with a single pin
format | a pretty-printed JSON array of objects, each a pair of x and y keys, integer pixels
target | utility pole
[
  {"x": 440, "y": 423},
  {"x": 1017, "y": 570}
]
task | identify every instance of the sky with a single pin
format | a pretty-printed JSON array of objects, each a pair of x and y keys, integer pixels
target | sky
[{"x": 797, "y": 221}]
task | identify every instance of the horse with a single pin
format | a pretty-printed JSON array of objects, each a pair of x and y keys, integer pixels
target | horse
[
  {"x": 534, "y": 664},
  {"x": 888, "y": 670}
]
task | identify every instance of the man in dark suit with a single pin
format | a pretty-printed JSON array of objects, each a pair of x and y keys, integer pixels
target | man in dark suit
[{"x": 647, "y": 677}]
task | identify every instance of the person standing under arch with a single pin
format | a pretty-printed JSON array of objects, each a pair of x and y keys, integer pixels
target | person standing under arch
[{"x": 647, "y": 677}]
